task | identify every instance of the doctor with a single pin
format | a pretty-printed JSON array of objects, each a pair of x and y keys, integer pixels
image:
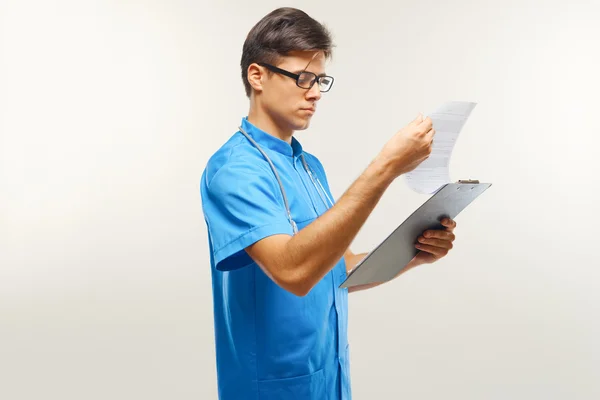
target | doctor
[{"x": 279, "y": 244}]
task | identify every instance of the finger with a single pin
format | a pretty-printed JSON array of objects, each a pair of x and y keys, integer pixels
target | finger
[
  {"x": 426, "y": 124},
  {"x": 439, "y": 234},
  {"x": 436, "y": 251},
  {"x": 444, "y": 244},
  {"x": 430, "y": 135},
  {"x": 449, "y": 223},
  {"x": 417, "y": 120}
]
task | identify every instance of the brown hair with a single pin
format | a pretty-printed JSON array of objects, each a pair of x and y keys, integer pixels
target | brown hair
[{"x": 279, "y": 32}]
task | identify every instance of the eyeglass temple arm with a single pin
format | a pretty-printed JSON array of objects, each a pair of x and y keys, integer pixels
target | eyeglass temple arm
[{"x": 279, "y": 70}]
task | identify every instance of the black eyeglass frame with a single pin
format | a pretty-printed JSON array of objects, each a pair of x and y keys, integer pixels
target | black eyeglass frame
[{"x": 296, "y": 77}]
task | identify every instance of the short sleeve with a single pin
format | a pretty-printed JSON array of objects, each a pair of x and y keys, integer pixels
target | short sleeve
[{"x": 242, "y": 204}]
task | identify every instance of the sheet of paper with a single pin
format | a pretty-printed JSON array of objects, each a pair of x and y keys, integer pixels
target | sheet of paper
[{"x": 433, "y": 173}]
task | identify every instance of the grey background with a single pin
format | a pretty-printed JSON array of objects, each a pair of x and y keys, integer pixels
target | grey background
[{"x": 110, "y": 110}]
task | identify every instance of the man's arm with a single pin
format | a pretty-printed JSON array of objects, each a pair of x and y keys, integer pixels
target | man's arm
[
  {"x": 353, "y": 259},
  {"x": 297, "y": 263}
]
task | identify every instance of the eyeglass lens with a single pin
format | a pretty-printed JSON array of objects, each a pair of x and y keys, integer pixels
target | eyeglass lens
[{"x": 306, "y": 80}]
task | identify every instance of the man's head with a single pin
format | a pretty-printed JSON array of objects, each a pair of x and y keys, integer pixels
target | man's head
[{"x": 286, "y": 41}]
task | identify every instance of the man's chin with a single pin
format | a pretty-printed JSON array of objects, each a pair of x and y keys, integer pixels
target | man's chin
[{"x": 302, "y": 124}]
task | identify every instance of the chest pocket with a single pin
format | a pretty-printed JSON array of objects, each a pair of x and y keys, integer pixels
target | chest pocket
[{"x": 303, "y": 199}]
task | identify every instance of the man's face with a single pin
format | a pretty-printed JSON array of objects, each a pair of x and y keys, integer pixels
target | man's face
[{"x": 290, "y": 106}]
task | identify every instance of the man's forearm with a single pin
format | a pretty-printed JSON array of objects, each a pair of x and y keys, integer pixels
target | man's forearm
[
  {"x": 320, "y": 245},
  {"x": 353, "y": 259},
  {"x": 356, "y": 259}
]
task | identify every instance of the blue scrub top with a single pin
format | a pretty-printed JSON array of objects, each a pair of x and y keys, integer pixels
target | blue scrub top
[{"x": 270, "y": 343}]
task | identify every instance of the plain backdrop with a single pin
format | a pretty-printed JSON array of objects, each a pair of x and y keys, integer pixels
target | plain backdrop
[{"x": 110, "y": 110}]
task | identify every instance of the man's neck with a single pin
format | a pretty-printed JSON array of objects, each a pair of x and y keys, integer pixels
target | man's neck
[{"x": 265, "y": 123}]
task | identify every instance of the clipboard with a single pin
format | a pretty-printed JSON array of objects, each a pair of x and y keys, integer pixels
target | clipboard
[{"x": 393, "y": 254}]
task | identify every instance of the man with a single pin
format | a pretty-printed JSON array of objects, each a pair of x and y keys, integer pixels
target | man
[{"x": 279, "y": 247}]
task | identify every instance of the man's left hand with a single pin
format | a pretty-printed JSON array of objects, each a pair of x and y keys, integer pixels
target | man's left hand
[{"x": 435, "y": 244}]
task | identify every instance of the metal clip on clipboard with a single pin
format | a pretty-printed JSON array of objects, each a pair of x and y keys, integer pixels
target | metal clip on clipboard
[{"x": 393, "y": 254}]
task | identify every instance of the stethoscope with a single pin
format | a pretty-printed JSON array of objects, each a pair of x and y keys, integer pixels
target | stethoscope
[{"x": 315, "y": 181}]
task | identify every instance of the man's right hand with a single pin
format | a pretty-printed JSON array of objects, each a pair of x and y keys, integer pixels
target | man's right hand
[{"x": 409, "y": 147}]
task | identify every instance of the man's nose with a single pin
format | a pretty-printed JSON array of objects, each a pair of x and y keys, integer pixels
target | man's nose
[{"x": 314, "y": 92}]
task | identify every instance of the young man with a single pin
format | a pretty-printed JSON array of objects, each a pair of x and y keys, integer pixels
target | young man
[{"x": 279, "y": 245}]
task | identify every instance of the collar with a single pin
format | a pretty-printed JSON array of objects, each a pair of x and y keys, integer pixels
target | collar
[{"x": 269, "y": 141}]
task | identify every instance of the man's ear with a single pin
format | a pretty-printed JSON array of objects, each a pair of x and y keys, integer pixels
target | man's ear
[{"x": 255, "y": 75}]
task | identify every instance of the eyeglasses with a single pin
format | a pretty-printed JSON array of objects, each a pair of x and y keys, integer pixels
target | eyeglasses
[{"x": 304, "y": 79}]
